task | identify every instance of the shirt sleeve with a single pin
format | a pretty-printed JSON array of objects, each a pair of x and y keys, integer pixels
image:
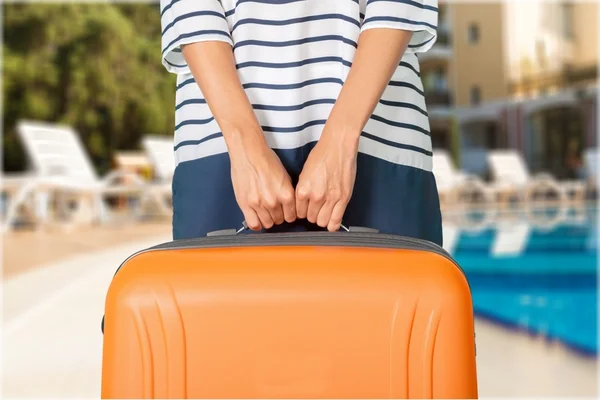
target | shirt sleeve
[
  {"x": 419, "y": 16},
  {"x": 189, "y": 21}
]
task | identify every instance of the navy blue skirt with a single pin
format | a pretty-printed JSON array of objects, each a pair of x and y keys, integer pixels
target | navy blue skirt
[{"x": 389, "y": 197}]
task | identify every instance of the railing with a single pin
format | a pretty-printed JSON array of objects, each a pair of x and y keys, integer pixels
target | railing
[
  {"x": 443, "y": 39},
  {"x": 438, "y": 97}
]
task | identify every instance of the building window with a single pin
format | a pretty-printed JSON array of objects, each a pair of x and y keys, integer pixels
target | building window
[
  {"x": 475, "y": 95},
  {"x": 473, "y": 33}
]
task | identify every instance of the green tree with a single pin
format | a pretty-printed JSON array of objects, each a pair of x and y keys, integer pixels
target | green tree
[{"x": 96, "y": 67}]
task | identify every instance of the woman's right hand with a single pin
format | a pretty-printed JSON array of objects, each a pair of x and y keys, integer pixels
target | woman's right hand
[{"x": 263, "y": 189}]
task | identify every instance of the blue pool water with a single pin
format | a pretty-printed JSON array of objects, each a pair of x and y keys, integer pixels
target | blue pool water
[{"x": 549, "y": 287}]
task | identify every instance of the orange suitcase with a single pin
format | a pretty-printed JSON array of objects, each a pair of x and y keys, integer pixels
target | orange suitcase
[{"x": 290, "y": 315}]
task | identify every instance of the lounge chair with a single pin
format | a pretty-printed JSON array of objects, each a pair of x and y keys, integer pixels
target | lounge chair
[
  {"x": 61, "y": 167},
  {"x": 590, "y": 158},
  {"x": 511, "y": 239},
  {"x": 451, "y": 236},
  {"x": 9, "y": 187},
  {"x": 159, "y": 150},
  {"x": 451, "y": 183},
  {"x": 511, "y": 177}
]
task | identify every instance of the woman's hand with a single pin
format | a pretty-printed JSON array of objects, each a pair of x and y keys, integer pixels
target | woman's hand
[
  {"x": 328, "y": 176},
  {"x": 327, "y": 179},
  {"x": 262, "y": 187}
]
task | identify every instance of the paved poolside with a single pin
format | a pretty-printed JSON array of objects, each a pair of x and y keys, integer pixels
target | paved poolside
[{"x": 52, "y": 341}]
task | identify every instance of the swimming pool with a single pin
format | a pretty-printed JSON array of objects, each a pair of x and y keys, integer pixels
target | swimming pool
[{"x": 540, "y": 277}]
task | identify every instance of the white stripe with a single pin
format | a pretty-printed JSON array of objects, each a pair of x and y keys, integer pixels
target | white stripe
[
  {"x": 303, "y": 73},
  {"x": 394, "y": 155},
  {"x": 402, "y": 114},
  {"x": 293, "y": 10},
  {"x": 287, "y": 54},
  {"x": 398, "y": 135},
  {"x": 291, "y": 119},
  {"x": 196, "y": 132}
]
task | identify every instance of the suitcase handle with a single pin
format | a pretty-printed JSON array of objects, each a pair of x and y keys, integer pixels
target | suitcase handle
[{"x": 233, "y": 232}]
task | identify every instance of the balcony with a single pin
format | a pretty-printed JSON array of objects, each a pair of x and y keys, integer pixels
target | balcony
[
  {"x": 443, "y": 35},
  {"x": 439, "y": 106},
  {"x": 441, "y": 50},
  {"x": 438, "y": 98}
]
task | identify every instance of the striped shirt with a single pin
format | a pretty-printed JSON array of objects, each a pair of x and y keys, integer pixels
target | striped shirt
[{"x": 293, "y": 57}]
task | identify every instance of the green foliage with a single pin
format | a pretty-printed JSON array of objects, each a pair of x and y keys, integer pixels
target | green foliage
[{"x": 96, "y": 67}]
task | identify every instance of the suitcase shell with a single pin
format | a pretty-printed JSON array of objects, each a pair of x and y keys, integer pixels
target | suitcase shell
[{"x": 292, "y": 315}]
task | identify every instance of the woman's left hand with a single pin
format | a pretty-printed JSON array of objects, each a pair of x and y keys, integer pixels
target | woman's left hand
[{"x": 327, "y": 179}]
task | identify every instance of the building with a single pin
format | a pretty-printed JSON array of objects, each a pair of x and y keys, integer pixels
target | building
[{"x": 519, "y": 75}]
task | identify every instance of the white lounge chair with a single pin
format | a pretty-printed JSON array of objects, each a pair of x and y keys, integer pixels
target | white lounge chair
[
  {"x": 9, "y": 187},
  {"x": 61, "y": 167},
  {"x": 159, "y": 150},
  {"x": 510, "y": 239},
  {"x": 452, "y": 183},
  {"x": 590, "y": 158},
  {"x": 511, "y": 177},
  {"x": 451, "y": 236}
]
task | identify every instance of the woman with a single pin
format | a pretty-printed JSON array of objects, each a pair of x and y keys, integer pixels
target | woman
[{"x": 294, "y": 114}]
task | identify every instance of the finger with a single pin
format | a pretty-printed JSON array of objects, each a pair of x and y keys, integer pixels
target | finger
[
  {"x": 265, "y": 217},
  {"x": 276, "y": 214},
  {"x": 302, "y": 195},
  {"x": 335, "y": 220},
  {"x": 314, "y": 207},
  {"x": 325, "y": 214},
  {"x": 288, "y": 204},
  {"x": 252, "y": 219}
]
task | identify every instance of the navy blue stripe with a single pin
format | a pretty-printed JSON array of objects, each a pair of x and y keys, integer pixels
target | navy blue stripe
[
  {"x": 273, "y": 2},
  {"x": 401, "y": 104},
  {"x": 295, "y": 42},
  {"x": 400, "y": 124},
  {"x": 196, "y": 33},
  {"x": 184, "y": 83},
  {"x": 167, "y": 7},
  {"x": 293, "y": 108},
  {"x": 192, "y": 15},
  {"x": 397, "y": 19},
  {"x": 266, "y": 106},
  {"x": 175, "y": 65},
  {"x": 292, "y": 85},
  {"x": 295, "y": 20},
  {"x": 409, "y": 66},
  {"x": 414, "y": 46},
  {"x": 190, "y": 101},
  {"x": 293, "y": 64},
  {"x": 406, "y": 85},
  {"x": 396, "y": 145},
  {"x": 194, "y": 122},
  {"x": 409, "y": 2},
  {"x": 272, "y": 86},
  {"x": 230, "y": 12},
  {"x": 199, "y": 141},
  {"x": 362, "y": 16},
  {"x": 294, "y": 128},
  {"x": 299, "y": 85}
]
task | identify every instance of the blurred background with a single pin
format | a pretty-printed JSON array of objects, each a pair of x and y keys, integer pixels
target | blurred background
[{"x": 512, "y": 94}]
